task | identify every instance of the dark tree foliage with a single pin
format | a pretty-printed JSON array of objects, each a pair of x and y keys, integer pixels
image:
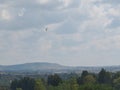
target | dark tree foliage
[
  {"x": 54, "y": 80},
  {"x": 4, "y": 88},
  {"x": 80, "y": 80},
  {"x": 14, "y": 84},
  {"x": 104, "y": 77},
  {"x": 87, "y": 81},
  {"x": 84, "y": 74},
  {"x": 116, "y": 75},
  {"x": 25, "y": 84}
]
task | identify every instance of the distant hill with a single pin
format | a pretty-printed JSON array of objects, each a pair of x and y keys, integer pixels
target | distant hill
[
  {"x": 53, "y": 67},
  {"x": 32, "y": 67}
]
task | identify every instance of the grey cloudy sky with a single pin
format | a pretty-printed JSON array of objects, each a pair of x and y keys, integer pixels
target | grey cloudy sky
[{"x": 80, "y": 32}]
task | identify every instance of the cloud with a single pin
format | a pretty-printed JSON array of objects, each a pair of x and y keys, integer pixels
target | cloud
[
  {"x": 107, "y": 43},
  {"x": 67, "y": 27},
  {"x": 33, "y": 14},
  {"x": 43, "y": 1},
  {"x": 5, "y": 15},
  {"x": 21, "y": 13},
  {"x": 116, "y": 2},
  {"x": 30, "y": 19},
  {"x": 115, "y": 23},
  {"x": 74, "y": 27}
]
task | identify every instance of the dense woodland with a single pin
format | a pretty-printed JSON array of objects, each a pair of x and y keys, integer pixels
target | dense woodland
[{"x": 103, "y": 80}]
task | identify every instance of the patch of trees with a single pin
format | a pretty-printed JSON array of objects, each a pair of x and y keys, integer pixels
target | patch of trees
[
  {"x": 54, "y": 80},
  {"x": 104, "y": 80},
  {"x": 27, "y": 83},
  {"x": 4, "y": 88}
]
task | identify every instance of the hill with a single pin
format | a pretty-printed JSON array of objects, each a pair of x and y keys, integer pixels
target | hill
[
  {"x": 53, "y": 68},
  {"x": 43, "y": 67}
]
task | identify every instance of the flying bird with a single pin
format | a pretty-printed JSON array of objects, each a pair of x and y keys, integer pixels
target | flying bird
[{"x": 46, "y": 29}]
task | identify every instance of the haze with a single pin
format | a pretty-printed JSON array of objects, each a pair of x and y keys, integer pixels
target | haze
[{"x": 68, "y": 32}]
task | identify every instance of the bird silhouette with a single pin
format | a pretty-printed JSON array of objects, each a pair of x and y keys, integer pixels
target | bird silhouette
[{"x": 46, "y": 29}]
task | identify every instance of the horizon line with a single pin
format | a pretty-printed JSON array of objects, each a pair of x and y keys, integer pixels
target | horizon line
[{"x": 59, "y": 64}]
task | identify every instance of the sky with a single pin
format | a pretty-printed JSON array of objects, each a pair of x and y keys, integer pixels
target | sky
[{"x": 79, "y": 32}]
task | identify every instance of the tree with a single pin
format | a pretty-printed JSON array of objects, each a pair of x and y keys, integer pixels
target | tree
[
  {"x": 84, "y": 74},
  {"x": 14, "y": 84},
  {"x": 73, "y": 84},
  {"x": 25, "y": 83},
  {"x": 89, "y": 79},
  {"x": 116, "y": 83},
  {"x": 54, "y": 80},
  {"x": 80, "y": 80},
  {"x": 95, "y": 87},
  {"x": 39, "y": 85},
  {"x": 104, "y": 77},
  {"x": 18, "y": 88},
  {"x": 116, "y": 75}
]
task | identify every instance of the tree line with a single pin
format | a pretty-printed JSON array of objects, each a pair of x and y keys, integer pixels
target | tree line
[{"x": 104, "y": 80}]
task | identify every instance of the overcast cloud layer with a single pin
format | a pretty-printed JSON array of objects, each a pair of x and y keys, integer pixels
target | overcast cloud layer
[{"x": 80, "y": 32}]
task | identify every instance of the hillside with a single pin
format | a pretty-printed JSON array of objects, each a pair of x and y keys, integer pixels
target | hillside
[
  {"x": 53, "y": 67},
  {"x": 33, "y": 67}
]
